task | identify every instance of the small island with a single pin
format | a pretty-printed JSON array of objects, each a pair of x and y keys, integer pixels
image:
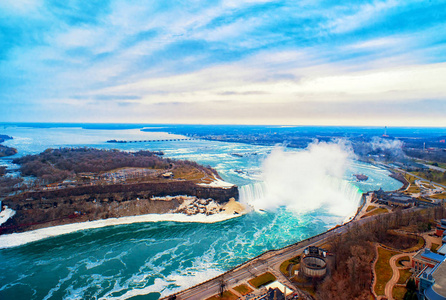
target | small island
[
  {"x": 85, "y": 184},
  {"x": 361, "y": 177},
  {"x": 5, "y": 150}
]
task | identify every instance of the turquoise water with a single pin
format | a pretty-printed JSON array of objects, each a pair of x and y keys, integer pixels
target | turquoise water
[{"x": 159, "y": 258}]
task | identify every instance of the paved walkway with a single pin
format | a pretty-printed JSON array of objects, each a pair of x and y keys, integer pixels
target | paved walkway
[
  {"x": 396, "y": 273},
  {"x": 395, "y": 269}
]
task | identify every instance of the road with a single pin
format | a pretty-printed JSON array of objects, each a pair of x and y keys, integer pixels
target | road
[
  {"x": 268, "y": 261},
  {"x": 416, "y": 176}
]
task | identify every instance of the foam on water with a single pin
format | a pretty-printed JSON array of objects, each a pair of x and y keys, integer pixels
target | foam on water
[{"x": 153, "y": 257}]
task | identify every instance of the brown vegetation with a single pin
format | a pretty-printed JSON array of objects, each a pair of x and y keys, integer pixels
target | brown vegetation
[
  {"x": 243, "y": 289},
  {"x": 404, "y": 275},
  {"x": 400, "y": 262},
  {"x": 2, "y": 170},
  {"x": 9, "y": 184},
  {"x": 352, "y": 274},
  {"x": 398, "y": 241},
  {"x": 383, "y": 269},
  {"x": 227, "y": 295},
  {"x": 351, "y": 277},
  {"x": 55, "y": 165},
  {"x": 261, "y": 280},
  {"x": 7, "y": 151}
]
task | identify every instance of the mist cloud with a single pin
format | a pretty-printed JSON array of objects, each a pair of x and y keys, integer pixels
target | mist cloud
[{"x": 308, "y": 180}]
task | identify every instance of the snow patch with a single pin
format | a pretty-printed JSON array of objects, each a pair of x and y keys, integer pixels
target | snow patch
[
  {"x": 6, "y": 214},
  {"x": 218, "y": 184},
  {"x": 18, "y": 239}
]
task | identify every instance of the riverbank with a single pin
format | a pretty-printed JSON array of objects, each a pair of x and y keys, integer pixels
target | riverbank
[{"x": 22, "y": 238}]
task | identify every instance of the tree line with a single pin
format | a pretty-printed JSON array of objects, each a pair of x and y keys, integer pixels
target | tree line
[
  {"x": 351, "y": 277},
  {"x": 55, "y": 165}
]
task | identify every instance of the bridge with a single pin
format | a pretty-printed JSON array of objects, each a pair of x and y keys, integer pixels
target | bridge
[{"x": 148, "y": 141}]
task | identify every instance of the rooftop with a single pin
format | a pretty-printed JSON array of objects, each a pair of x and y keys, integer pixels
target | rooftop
[
  {"x": 438, "y": 290},
  {"x": 428, "y": 256},
  {"x": 280, "y": 286},
  {"x": 442, "y": 250}
]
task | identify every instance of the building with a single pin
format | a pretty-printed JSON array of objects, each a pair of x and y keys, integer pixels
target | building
[
  {"x": 441, "y": 227},
  {"x": 425, "y": 258},
  {"x": 442, "y": 250},
  {"x": 393, "y": 198},
  {"x": 313, "y": 263},
  {"x": 274, "y": 294},
  {"x": 432, "y": 282},
  {"x": 276, "y": 285}
]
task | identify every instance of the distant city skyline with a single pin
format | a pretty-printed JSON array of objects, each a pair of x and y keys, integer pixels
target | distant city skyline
[{"x": 365, "y": 63}]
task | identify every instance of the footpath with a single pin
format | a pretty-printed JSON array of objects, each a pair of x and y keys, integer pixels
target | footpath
[{"x": 267, "y": 262}]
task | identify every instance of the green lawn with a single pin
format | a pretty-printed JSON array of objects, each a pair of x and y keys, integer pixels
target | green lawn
[
  {"x": 399, "y": 262},
  {"x": 435, "y": 176},
  {"x": 243, "y": 289},
  {"x": 404, "y": 275},
  {"x": 377, "y": 211},
  {"x": 399, "y": 292},
  {"x": 370, "y": 207},
  {"x": 285, "y": 264},
  {"x": 414, "y": 189},
  {"x": 439, "y": 196},
  {"x": 383, "y": 270},
  {"x": 262, "y": 280}
]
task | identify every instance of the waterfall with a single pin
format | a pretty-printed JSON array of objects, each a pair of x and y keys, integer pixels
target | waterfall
[
  {"x": 251, "y": 192},
  {"x": 337, "y": 196}
]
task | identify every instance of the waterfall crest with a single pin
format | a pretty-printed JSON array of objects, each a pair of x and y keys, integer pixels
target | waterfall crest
[{"x": 337, "y": 196}]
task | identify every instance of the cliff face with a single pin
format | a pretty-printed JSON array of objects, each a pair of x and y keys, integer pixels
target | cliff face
[
  {"x": 78, "y": 204},
  {"x": 145, "y": 189}
]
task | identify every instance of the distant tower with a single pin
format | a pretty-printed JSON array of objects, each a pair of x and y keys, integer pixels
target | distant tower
[{"x": 385, "y": 132}]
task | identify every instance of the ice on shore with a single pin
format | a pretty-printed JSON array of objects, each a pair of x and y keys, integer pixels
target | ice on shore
[
  {"x": 218, "y": 183},
  {"x": 6, "y": 214},
  {"x": 18, "y": 239}
]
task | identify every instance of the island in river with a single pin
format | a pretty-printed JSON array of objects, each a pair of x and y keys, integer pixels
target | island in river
[
  {"x": 71, "y": 185},
  {"x": 5, "y": 150}
]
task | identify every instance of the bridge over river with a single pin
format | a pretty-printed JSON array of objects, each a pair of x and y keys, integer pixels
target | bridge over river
[{"x": 148, "y": 141}]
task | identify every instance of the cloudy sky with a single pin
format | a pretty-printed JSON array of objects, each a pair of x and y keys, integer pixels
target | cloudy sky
[{"x": 241, "y": 62}]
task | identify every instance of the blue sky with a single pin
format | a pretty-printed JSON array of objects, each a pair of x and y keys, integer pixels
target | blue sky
[{"x": 243, "y": 62}]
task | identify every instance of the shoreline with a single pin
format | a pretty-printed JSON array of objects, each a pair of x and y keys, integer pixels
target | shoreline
[
  {"x": 233, "y": 209},
  {"x": 21, "y": 238}
]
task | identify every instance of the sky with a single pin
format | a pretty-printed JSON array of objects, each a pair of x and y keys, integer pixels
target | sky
[{"x": 296, "y": 62}]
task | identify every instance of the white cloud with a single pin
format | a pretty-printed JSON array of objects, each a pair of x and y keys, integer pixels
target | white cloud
[
  {"x": 251, "y": 81},
  {"x": 384, "y": 42},
  {"x": 20, "y": 7},
  {"x": 365, "y": 14}
]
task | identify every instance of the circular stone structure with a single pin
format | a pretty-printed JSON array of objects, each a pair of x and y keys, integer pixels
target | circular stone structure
[{"x": 313, "y": 266}]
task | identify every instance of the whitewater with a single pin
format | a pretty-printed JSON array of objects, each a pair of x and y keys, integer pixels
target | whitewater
[{"x": 163, "y": 254}]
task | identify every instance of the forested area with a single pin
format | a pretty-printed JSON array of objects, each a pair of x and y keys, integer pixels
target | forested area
[
  {"x": 7, "y": 151},
  {"x": 54, "y": 165},
  {"x": 438, "y": 156},
  {"x": 8, "y": 185},
  {"x": 354, "y": 253}
]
